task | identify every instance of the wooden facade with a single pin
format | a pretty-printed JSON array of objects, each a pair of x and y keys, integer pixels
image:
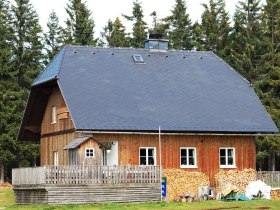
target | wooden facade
[
  {"x": 207, "y": 150},
  {"x": 56, "y": 136}
]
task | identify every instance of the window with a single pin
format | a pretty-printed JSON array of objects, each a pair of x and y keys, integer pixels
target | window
[
  {"x": 53, "y": 115},
  {"x": 188, "y": 157},
  {"x": 147, "y": 156},
  {"x": 138, "y": 59},
  {"x": 89, "y": 152},
  {"x": 227, "y": 158}
]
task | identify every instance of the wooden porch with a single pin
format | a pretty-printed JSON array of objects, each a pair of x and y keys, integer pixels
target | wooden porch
[{"x": 87, "y": 184}]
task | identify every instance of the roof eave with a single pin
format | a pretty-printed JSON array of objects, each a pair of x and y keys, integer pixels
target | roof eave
[{"x": 170, "y": 132}]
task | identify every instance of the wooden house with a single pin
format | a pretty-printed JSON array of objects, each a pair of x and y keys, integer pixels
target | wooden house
[{"x": 143, "y": 107}]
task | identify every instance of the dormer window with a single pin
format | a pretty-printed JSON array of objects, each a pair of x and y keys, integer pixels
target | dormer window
[
  {"x": 138, "y": 58},
  {"x": 53, "y": 115}
]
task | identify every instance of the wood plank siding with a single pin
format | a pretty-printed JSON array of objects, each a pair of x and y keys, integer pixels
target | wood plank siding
[
  {"x": 207, "y": 149},
  {"x": 97, "y": 193},
  {"x": 55, "y": 136},
  {"x": 63, "y": 121}
]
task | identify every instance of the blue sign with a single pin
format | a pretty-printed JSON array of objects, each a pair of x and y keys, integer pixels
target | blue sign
[{"x": 163, "y": 186}]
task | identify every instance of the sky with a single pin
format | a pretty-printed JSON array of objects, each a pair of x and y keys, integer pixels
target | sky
[{"x": 103, "y": 10}]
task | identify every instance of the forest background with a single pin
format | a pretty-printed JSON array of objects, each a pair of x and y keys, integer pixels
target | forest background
[{"x": 249, "y": 42}]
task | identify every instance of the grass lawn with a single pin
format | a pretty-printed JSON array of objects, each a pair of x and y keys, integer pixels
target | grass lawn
[{"x": 7, "y": 202}]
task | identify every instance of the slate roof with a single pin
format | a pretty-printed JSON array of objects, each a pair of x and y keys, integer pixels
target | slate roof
[
  {"x": 180, "y": 91},
  {"x": 51, "y": 71},
  {"x": 77, "y": 142}
]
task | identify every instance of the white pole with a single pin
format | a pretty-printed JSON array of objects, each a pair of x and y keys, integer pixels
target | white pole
[{"x": 159, "y": 139}]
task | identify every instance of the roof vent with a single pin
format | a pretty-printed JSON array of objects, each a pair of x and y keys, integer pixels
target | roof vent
[{"x": 157, "y": 42}]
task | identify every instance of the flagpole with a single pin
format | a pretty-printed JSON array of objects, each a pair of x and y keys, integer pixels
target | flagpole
[{"x": 159, "y": 139}]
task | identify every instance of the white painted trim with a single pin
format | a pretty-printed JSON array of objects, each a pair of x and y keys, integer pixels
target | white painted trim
[
  {"x": 234, "y": 158},
  {"x": 92, "y": 152},
  {"x": 195, "y": 157},
  {"x": 155, "y": 154}
]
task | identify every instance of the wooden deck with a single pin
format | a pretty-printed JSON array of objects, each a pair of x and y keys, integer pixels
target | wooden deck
[{"x": 87, "y": 184}]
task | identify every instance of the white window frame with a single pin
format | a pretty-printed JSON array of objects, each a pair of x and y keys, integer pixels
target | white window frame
[
  {"x": 147, "y": 160},
  {"x": 87, "y": 152},
  {"x": 195, "y": 158},
  {"x": 226, "y": 156},
  {"x": 53, "y": 115}
]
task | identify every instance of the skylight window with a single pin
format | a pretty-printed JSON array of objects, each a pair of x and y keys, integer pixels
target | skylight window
[{"x": 138, "y": 58}]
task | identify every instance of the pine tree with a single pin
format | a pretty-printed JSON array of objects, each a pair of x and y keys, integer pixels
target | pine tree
[
  {"x": 53, "y": 37},
  {"x": 246, "y": 39},
  {"x": 80, "y": 25},
  {"x": 268, "y": 83},
  {"x": 139, "y": 25},
  {"x": 114, "y": 34},
  {"x": 27, "y": 44},
  {"x": 7, "y": 143},
  {"x": 198, "y": 40},
  {"x": 216, "y": 27},
  {"x": 26, "y": 64},
  {"x": 180, "y": 35}
]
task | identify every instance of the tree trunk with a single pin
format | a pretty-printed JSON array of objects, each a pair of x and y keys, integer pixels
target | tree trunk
[
  {"x": 273, "y": 161},
  {"x": 1, "y": 173}
]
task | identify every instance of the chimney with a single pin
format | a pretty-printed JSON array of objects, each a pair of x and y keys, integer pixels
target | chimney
[{"x": 156, "y": 42}]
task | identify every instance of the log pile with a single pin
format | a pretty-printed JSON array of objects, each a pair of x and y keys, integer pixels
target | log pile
[
  {"x": 181, "y": 182},
  {"x": 275, "y": 194},
  {"x": 240, "y": 179},
  {"x": 5, "y": 185}
]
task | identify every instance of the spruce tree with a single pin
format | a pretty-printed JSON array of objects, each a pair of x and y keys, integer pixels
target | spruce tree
[
  {"x": 7, "y": 142},
  {"x": 247, "y": 36},
  {"x": 114, "y": 34},
  {"x": 216, "y": 27},
  {"x": 80, "y": 25},
  {"x": 139, "y": 34},
  {"x": 53, "y": 37},
  {"x": 27, "y": 44},
  {"x": 198, "y": 40},
  {"x": 180, "y": 35},
  {"x": 268, "y": 83},
  {"x": 26, "y": 64}
]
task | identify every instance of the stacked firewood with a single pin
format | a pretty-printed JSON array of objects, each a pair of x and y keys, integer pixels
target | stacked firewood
[
  {"x": 240, "y": 179},
  {"x": 180, "y": 182},
  {"x": 5, "y": 185},
  {"x": 275, "y": 194}
]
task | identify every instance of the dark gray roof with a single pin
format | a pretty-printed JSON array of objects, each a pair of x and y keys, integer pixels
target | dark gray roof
[
  {"x": 181, "y": 91},
  {"x": 77, "y": 142}
]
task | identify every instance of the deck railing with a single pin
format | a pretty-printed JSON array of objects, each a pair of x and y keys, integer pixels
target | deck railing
[
  {"x": 271, "y": 178},
  {"x": 86, "y": 175}
]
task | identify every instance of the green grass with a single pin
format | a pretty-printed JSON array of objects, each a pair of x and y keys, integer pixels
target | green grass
[
  {"x": 6, "y": 198},
  {"x": 7, "y": 202}
]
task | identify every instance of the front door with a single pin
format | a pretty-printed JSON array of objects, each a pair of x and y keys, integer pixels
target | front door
[{"x": 111, "y": 157}]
